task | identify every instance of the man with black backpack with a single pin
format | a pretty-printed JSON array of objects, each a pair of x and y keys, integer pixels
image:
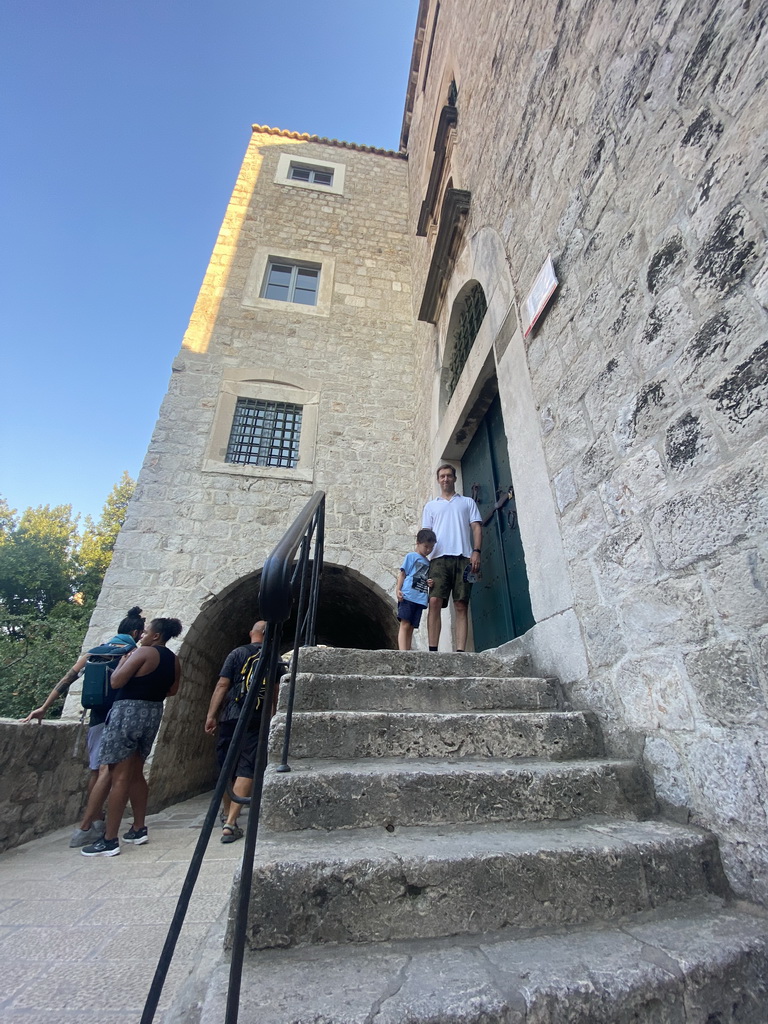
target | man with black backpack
[
  {"x": 97, "y": 666},
  {"x": 237, "y": 674}
]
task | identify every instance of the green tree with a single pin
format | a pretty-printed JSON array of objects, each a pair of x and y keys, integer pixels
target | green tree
[
  {"x": 37, "y": 566},
  {"x": 98, "y": 541},
  {"x": 50, "y": 577},
  {"x": 8, "y": 519},
  {"x": 31, "y": 664}
]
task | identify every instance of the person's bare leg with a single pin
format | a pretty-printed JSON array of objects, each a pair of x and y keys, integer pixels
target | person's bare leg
[
  {"x": 138, "y": 794},
  {"x": 122, "y": 776},
  {"x": 462, "y": 620},
  {"x": 404, "y": 636},
  {"x": 91, "y": 782},
  {"x": 242, "y": 787},
  {"x": 434, "y": 620},
  {"x": 99, "y": 791}
]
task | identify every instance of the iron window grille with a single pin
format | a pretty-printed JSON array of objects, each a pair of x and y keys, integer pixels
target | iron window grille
[
  {"x": 312, "y": 175},
  {"x": 291, "y": 282},
  {"x": 470, "y": 321},
  {"x": 265, "y": 433}
]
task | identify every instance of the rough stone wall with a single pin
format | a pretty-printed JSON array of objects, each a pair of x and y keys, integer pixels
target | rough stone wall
[
  {"x": 196, "y": 526},
  {"x": 629, "y": 141},
  {"x": 43, "y": 777}
]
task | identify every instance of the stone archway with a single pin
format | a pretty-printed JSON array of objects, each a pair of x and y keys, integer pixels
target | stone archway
[{"x": 353, "y": 612}]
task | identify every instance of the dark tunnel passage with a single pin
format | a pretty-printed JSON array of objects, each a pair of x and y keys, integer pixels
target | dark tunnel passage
[{"x": 352, "y": 612}]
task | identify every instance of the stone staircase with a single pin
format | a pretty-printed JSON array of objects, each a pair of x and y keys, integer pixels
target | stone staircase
[{"x": 453, "y": 847}]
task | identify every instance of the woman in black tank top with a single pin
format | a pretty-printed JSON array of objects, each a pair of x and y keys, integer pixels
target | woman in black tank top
[
  {"x": 143, "y": 680},
  {"x": 155, "y": 684}
]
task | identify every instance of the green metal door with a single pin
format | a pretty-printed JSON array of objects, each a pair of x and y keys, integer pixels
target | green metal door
[{"x": 501, "y": 603}]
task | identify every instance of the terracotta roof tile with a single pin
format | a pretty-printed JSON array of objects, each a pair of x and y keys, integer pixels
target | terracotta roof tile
[{"x": 305, "y": 137}]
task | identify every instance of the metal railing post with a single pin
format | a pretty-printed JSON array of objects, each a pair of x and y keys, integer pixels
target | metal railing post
[
  {"x": 276, "y": 600},
  {"x": 271, "y": 642}
]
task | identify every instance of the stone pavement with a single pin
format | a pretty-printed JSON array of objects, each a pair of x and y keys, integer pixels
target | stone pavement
[{"x": 80, "y": 936}]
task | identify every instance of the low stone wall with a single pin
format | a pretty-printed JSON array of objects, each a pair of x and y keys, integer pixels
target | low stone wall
[{"x": 43, "y": 777}]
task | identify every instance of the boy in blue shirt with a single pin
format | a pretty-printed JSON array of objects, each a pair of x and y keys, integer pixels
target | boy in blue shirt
[{"x": 413, "y": 587}]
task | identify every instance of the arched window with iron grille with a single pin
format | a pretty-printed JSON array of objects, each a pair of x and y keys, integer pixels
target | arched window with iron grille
[{"x": 467, "y": 318}]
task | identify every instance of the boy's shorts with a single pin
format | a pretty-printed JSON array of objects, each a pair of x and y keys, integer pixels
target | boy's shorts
[
  {"x": 447, "y": 575},
  {"x": 408, "y": 611}
]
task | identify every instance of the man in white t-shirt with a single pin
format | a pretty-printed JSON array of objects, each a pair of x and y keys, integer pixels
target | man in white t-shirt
[{"x": 457, "y": 523}]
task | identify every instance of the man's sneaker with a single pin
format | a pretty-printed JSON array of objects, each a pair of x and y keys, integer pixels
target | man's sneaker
[
  {"x": 100, "y": 825},
  {"x": 102, "y": 848},
  {"x": 137, "y": 836},
  {"x": 81, "y": 837}
]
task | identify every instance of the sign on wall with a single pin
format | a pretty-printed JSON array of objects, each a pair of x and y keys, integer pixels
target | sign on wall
[{"x": 538, "y": 297}]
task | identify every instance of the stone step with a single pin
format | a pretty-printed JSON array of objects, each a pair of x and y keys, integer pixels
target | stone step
[
  {"x": 556, "y": 735},
  {"x": 348, "y": 661},
  {"x": 700, "y": 963},
  {"x": 387, "y": 792},
  {"x": 318, "y": 692},
  {"x": 374, "y": 886}
]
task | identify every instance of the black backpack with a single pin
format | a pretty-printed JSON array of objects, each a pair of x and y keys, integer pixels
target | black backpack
[
  {"x": 102, "y": 662},
  {"x": 248, "y": 675}
]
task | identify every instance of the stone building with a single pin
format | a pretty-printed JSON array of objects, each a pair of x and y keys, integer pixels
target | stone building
[{"x": 370, "y": 312}]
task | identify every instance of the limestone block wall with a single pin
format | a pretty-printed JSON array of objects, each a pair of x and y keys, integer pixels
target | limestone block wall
[
  {"x": 43, "y": 778},
  {"x": 199, "y": 528},
  {"x": 629, "y": 142}
]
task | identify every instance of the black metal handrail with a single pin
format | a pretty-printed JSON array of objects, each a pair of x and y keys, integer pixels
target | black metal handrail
[{"x": 282, "y": 571}]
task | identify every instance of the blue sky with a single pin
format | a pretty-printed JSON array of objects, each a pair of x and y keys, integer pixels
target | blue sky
[{"x": 122, "y": 127}]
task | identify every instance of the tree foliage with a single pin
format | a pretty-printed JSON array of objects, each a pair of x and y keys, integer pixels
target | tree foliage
[
  {"x": 50, "y": 577},
  {"x": 30, "y": 665},
  {"x": 37, "y": 560},
  {"x": 97, "y": 542}
]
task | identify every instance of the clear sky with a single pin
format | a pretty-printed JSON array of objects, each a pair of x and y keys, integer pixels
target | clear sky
[{"x": 122, "y": 127}]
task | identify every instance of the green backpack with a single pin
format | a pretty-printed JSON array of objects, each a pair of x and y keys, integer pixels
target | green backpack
[{"x": 102, "y": 662}]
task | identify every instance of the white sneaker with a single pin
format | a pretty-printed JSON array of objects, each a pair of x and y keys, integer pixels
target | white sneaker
[{"x": 81, "y": 837}]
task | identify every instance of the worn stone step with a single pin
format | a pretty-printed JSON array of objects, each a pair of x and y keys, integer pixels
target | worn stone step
[
  {"x": 318, "y": 692},
  {"x": 700, "y": 963},
  {"x": 374, "y": 886},
  {"x": 348, "y": 661},
  {"x": 382, "y": 792},
  {"x": 556, "y": 735}
]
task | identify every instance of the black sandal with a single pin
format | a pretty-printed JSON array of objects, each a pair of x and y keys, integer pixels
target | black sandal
[{"x": 231, "y": 833}]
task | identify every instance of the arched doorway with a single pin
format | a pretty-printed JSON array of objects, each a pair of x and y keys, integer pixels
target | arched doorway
[{"x": 352, "y": 612}]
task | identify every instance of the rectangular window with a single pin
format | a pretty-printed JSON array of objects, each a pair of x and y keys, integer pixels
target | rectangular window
[
  {"x": 312, "y": 175},
  {"x": 291, "y": 282},
  {"x": 265, "y": 433}
]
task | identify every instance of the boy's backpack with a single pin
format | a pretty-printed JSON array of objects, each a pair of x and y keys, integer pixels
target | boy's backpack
[{"x": 102, "y": 662}]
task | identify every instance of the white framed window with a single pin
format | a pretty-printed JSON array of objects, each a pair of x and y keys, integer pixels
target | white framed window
[
  {"x": 311, "y": 175},
  {"x": 316, "y": 175},
  {"x": 297, "y": 281},
  {"x": 287, "y": 281}
]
